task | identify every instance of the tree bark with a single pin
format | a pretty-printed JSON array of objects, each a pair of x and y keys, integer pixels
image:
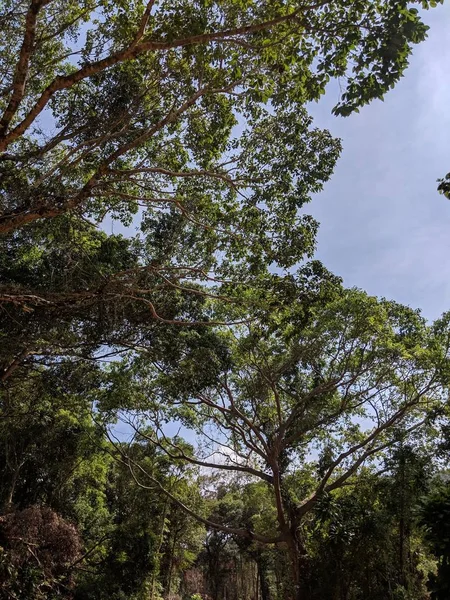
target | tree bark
[
  {"x": 261, "y": 564},
  {"x": 12, "y": 488},
  {"x": 296, "y": 553}
]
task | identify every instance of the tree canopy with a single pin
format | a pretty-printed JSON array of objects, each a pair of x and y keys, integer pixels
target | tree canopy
[
  {"x": 304, "y": 407},
  {"x": 158, "y": 273}
]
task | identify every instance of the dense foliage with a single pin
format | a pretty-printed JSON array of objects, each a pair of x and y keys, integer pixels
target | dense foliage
[{"x": 191, "y": 405}]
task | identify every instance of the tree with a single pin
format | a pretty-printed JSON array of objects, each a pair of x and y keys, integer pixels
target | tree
[
  {"x": 150, "y": 121},
  {"x": 410, "y": 480},
  {"x": 73, "y": 522},
  {"x": 264, "y": 49},
  {"x": 47, "y": 437},
  {"x": 444, "y": 186},
  {"x": 365, "y": 541},
  {"x": 184, "y": 117},
  {"x": 434, "y": 510},
  {"x": 324, "y": 392},
  {"x": 186, "y": 120},
  {"x": 37, "y": 548},
  {"x": 435, "y": 518},
  {"x": 233, "y": 567},
  {"x": 67, "y": 289}
]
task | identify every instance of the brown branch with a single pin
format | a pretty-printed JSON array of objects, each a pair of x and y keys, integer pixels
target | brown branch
[
  {"x": 23, "y": 299},
  {"x": 245, "y": 533},
  {"x": 21, "y": 73},
  {"x": 200, "y": 463},
  {"x": 131, "y": 52},
  {"x": 143, "y": 24},
  {"x": 102, "y": 294},
  {"x": 181, "y": 174},
  {"x": 9, "y": 370},
  {"x": 278, "y": 493}
]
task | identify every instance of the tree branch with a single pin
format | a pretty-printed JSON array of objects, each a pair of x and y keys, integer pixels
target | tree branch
[
  {"x": 132, "y": 51},
  {"x": 21, "y": 73}
]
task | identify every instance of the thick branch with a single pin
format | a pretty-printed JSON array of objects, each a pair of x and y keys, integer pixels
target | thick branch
[
  {"x": 131, "y": 52},
  {"x": 20, "y": 76},
  {"x": 244, "y": 533},
  {"x": 9, "y": 370}
]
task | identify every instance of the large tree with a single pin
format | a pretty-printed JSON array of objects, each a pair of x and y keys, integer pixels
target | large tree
[
  {"x": 107, "y": 106},
  {"x": 184, "y": 119},
  {"x": 319, "y": 392},
  {"x": 73, "y": 523}
]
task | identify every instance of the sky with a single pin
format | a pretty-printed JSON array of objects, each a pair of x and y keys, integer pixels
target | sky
[{"x": 384, "y": 228}]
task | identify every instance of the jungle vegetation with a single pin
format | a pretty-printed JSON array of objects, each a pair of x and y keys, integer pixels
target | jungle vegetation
[{"x": 196, "y": 408}]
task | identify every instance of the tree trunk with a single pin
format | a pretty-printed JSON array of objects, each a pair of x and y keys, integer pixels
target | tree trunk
[
  {"x": 261, "y": 564},
  {"x": 155, "y": 573},
  {"x": 9, "y": 500},
  {"x": 296, "y": 553},
  {"x": 170, "y": 569},
  {"x": 402, "y": 523}
]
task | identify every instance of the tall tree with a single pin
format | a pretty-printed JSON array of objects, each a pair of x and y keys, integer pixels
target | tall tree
[
  {"x": 325, "y": 391},
  {"x": 435, "y": 519},
  {"x": 184, "y": 117}
]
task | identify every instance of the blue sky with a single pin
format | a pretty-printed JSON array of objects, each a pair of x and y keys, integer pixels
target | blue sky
[{"x": 384, "y": 227}]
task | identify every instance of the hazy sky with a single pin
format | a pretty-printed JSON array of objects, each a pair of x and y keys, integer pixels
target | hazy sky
[{"x": 384, "y": 227}]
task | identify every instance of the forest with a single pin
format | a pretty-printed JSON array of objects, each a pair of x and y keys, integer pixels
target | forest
[{"x": 192, "y": 405}]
